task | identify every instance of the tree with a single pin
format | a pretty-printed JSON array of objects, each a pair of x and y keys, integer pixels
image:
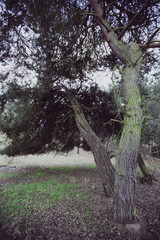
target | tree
[
  {"x": 153, "y": 113},
  {"x": 51, "y": 126},
  {"x": 130, "y": 53},
  {"x": 105, "y": 168},
  {"x": 61, "y": 62},
  {"x": 68, "y": 41}
]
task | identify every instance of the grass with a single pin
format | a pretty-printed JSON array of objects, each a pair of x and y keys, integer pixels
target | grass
[
  {"x": 26, "y": 198},
  {"x": 61, "y": 203},
  {"x": 8, "y": 175},
  {"x": 65, "y": 168}
]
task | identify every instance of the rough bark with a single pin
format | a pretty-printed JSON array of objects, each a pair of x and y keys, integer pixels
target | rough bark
[
  {"x": 127, "y": 154},
  {"x": 131, "y": 56},
  {"x": 104, "y": 165}
]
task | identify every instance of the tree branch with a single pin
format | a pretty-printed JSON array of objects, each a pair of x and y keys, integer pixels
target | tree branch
[
  {"x": 89, "y": 108},
  {"x": 150, "y": 39},
  {"x": 151, "y": 99},
  {"x": 152, "y": 45},
  {"x": 132, "y": 20},
  {"x": 96, "y": 15},
  {"x": 114, "y": 120},
  {"x": 118, "y": 48},
  {"x": 19, "y": 35}
]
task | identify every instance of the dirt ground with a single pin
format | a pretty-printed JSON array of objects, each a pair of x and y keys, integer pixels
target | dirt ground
[{"x": 62, "y": 223}]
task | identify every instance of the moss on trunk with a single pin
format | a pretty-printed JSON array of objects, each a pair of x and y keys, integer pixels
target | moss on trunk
[{"x": 127, "y": 154}]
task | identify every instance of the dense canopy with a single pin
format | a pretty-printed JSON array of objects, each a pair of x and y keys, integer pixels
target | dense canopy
[{"x": 61, "y": 42}]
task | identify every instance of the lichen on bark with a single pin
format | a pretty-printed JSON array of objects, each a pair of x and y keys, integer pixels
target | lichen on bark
[{"x": 127, "y": 153}]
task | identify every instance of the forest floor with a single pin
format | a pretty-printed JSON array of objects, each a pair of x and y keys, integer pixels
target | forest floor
[{"x": 68, "y": 203}]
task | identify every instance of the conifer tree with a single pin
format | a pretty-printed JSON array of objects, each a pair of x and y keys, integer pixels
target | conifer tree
[{"x": 62, "y": 40}]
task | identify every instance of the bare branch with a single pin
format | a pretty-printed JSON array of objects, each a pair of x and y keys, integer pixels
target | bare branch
[
  {"x": 100, "y": 19},
  {"x": 114, "y": 120},
  {"x": 118, "y": 48},
  {"x": 90, "y": 108},
  {"x": 154, "y": 45},
  {"x": 132, "y": 20},
  {"x": 151, "y": 99},
  {"x": 151, "y": 37},
  {"x": 19, "y": 35}
]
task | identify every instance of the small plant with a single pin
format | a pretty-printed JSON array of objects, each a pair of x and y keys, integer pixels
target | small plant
[{"x": 139, "y": 174}]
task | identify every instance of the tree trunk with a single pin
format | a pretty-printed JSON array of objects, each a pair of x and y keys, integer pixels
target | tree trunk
[
  {"x": 127, "y": 154},
  {"x": 148, "y": 175},
  {"x": 130, "y": 55},
  {"x": 104, "y": 165}
]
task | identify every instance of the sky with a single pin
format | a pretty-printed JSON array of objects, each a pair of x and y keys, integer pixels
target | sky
[{"x": 102, "y": 78}]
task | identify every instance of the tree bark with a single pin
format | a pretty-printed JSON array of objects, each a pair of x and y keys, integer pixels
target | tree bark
[
  {"x": 127, "y": 154},
  {"x": 105, "y": 168}
]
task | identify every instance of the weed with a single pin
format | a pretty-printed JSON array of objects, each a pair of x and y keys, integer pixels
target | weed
[{"x": 138, "y": 174}]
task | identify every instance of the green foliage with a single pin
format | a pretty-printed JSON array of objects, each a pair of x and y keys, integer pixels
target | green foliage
[
  {"x": 38, "y": 122},
  {"x": 61, "y": 43},
  {"x": 3, "y": 141},
  {"x": 151, "y": 130}
]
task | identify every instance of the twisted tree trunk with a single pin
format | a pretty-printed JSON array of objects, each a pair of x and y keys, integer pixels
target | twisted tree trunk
[
  {"x": 104, "y": 165},
  {"x": 127, "y": 154},
  {"x": 131, "y": 56}
]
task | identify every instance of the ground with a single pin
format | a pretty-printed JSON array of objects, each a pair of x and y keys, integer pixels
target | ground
[{"x": 68, "y": 202}]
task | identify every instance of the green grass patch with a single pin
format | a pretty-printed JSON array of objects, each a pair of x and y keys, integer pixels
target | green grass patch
[
  {"x": 26, "y": 198},
  {"x": 64, "y": 168},
  {"x": 91, "y": 167},
  {"x": 40, "y": 174},
  {"x": 67, "y": 169},
  {"x": 8, "y": 175},
  {"x": 34, "y": 191}
]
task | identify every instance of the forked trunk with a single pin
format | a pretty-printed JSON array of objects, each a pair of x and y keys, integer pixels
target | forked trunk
[
  {"x": 127, "y": 154},
  {"x": 104, "y": 165}
]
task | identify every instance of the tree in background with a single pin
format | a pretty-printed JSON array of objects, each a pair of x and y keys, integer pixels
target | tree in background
[
  {"x": 63, "y": 52},
  {"x": 66, "y": 42},
  {"x": 151, "y": 133},
  {"x": 47, "y": 119},
  {"x": 51, "y": 125}
]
